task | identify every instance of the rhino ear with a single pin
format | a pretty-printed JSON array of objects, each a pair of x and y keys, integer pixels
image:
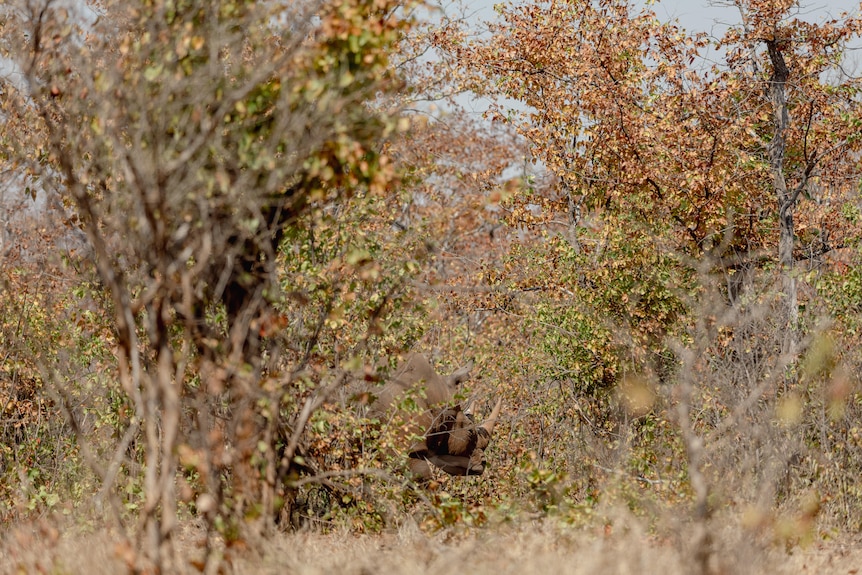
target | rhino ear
[{"x": 460, "y": 375}]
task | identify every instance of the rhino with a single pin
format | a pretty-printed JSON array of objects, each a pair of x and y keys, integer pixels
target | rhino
[{"x": 450, "y": 438}]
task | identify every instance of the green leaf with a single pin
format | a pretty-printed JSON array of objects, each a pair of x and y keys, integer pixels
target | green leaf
[{"x": 153, "y": 72}]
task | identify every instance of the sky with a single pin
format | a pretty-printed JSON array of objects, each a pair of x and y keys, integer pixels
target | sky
[{"x": 713, "y": 16}]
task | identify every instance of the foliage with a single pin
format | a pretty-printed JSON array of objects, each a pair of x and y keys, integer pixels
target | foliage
[
  {"x": 188, "y": 138},
  {"x": 53, "y": 378},
  {"x": 652, "y": 258},
  {"x": 650, "y": 164}
]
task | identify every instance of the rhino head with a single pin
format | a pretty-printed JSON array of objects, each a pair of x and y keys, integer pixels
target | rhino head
[{"x": 451, "y": 439}]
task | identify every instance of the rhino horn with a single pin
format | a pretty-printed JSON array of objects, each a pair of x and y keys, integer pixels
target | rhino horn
[{"x": 489, "y": 424}]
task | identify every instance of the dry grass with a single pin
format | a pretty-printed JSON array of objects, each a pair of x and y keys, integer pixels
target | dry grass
[{"x": 530, "y": 548}]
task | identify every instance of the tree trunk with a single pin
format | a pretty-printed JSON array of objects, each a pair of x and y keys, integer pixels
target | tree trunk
[{"x": 786, "y": 198}]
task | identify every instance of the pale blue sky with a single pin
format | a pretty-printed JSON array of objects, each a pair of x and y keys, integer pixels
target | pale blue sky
[{"x": 712, "y": 15}]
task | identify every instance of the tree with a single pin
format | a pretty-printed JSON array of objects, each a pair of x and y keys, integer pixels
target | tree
[
  {"x": 188, "y": 138},
  {"x": 704, "y": 159},
  {"x": 813, "y": 145}
]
